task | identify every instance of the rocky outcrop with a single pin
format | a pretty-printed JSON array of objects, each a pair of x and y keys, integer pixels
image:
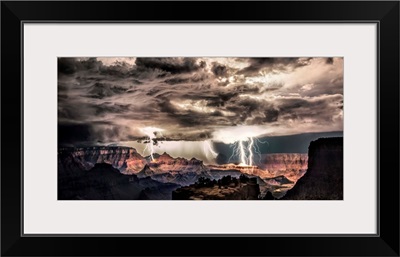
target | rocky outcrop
[
  {"x": 277, "y": 186},
  {"x": 104, "y": 182},
  {"x": 324, "y": 177},
  {"x": 164, "y": 163},
  {"x": 224, "y": 189},
  {"x": 145, "y": 172},
  {"x": 166, "y": 169}
]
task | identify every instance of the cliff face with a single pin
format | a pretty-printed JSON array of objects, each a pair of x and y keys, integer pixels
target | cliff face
[
  {"x": 277, "y": 186},
  {"x": 166, "y": 169},
  {"x": 165, "y": 163},
  {"x": 155, "y": 177},
  {"x": 324, "y": 177},
  {"x": 277, "y": 172},
  {"x": 291, "y": 165},
  {"x": 163, "y": 173},
  {"x": 104, "y": 182},
  {"x": 125, "y": 159}
]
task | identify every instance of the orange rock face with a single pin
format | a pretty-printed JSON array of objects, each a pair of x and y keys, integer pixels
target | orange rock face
[{"x": 291, "y": 165}]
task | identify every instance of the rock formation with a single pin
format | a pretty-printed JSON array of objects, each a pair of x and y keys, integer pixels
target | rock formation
[
  {"x": 164, "y": 163},
  {"x": 291, "y": 165},
  {"x": 162, "y": 174},
  {"x": 276, "y": 173},
  {"x": 227, "y": 188},
  {"x": 125, "y": 159},
  {"x": 104, "y": 182},
  {"x": 324, "y": 177}
]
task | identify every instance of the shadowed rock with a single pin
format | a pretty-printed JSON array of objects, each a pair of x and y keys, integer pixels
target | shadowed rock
[
  {"x": 104, "y": 182},
  {"x": 324, "y": 177},
  {"x": 226, "y": 188}
]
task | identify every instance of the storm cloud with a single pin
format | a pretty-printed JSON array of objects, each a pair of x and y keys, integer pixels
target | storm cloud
[
  {"x": 273, "y": 64},
  {"x": 104, "y": 100}
]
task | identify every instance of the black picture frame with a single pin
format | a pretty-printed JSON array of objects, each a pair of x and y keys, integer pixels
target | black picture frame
[{"x": 385, "y": 14}]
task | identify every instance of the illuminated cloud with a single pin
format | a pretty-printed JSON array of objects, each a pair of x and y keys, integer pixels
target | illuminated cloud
[{"x": 230, "y": 135}]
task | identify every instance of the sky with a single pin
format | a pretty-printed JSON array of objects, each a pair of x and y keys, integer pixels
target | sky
[{"x": 195, "y": 101}]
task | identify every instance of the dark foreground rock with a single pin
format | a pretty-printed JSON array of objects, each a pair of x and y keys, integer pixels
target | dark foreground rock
[
  {"x": 104, "y": 182},
  {"x": 227, "y": 188},
  {"x": 324, "y": 177}
]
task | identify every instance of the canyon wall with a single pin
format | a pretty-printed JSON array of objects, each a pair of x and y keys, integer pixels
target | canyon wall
[
  {"x": 276, "y": 173},
  {"x": 104, "y": 182},
  {"x": 291, "y": 165},
  {"x": 324, "y": 177},
  {"x": 165, "y": 163},
  {"x": 125, "y": 159}
]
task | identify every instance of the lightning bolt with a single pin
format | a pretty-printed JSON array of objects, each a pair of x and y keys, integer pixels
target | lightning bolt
[
  {"x": 257, "y": 148},
  {"x": 250, "y": 150},
  {"x": 235, "y": 151},
  {"x": 150, "y": 133},
  {"x": 242, "y": 153},
  {"x": 208, "y": 149},
  {"x": 244, "y": 150}
]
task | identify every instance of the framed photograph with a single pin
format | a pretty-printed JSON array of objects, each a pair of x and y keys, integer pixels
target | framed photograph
[{"x": 260, "y": 128}]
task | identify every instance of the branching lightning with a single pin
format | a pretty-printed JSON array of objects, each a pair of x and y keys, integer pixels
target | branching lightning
[
  {"x": 244, "y": 150},
  {"x": 257, "y": 148},
  {"x": 245, "y": 146}
]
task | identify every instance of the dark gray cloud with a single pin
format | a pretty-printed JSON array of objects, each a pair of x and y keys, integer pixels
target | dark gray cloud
[
  {"x": 321, "y": 110},
  {"x": 102, "y": 90},
  {"x": 219, "y": 70},
  {"x": 70, "y": 134},
  {"x": 172, "y": 65},
  {"x": 72, "y": 65},
  {"x": 271, "y": 63},
  {"x": 191, "y": 118},
  {"x": 271, "y": 115}
]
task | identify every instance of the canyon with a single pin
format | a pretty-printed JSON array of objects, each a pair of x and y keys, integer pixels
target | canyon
[{"x": 281, "y": 176}]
